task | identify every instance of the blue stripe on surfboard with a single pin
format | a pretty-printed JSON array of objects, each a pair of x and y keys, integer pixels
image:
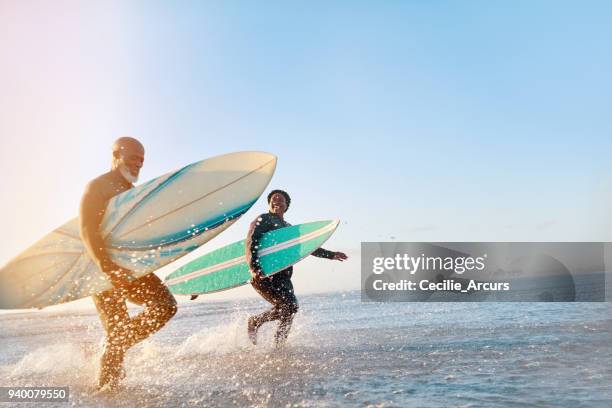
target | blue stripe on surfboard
[
  {"x": 185, "y": 235},
  {"x": 150, "y": 194},
  {"x": 145, "y": 261}
]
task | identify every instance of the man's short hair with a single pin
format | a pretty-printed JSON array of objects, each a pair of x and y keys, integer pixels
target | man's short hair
[{"x": 287, "y": 198}]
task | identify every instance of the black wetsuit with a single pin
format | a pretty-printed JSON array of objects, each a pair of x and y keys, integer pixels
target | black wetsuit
[{"x": 276, "y": 289}]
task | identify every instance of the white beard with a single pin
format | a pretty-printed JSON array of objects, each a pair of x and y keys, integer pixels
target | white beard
[{"x": 127, "y": 175}]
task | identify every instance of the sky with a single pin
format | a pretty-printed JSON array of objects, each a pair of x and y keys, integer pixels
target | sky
[{"x": 407, "y": 120}]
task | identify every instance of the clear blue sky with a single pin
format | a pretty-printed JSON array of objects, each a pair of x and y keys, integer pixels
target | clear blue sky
[{"x": 408, "y": 120}]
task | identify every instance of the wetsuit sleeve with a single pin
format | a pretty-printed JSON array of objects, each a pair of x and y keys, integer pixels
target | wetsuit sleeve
[
  {"x": 323, "y": 253},
  {"x": 91, "y": 213},
  {"x": 257, "y": 229}
]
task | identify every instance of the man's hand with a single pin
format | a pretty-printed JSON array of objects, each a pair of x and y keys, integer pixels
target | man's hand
[
  {"x": 257, "y": 275},
  {"x": 340, "y": 256}
]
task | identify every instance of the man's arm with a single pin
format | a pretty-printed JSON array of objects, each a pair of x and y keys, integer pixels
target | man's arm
[
  {"x": 324, "y": 253},
  {"x": 93, "y": 207},
  {"x": 256, "y": 230},
  {"x": 90, "y": 218}
]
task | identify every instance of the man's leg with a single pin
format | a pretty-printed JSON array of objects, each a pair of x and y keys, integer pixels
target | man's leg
[
  {"x": 287, "y": 310},
  {"x": 159, "y": 307},
  {"x": 279, "y": 292},
  {"x": 256, "y": 321},
  {"x": 122, "y": 332},
  {"x": 116, "y": 321},
  {"x": 269, "y": 292}
]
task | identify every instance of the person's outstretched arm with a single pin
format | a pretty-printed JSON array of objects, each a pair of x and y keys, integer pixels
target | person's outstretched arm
[{"x": 324, "y": 253}]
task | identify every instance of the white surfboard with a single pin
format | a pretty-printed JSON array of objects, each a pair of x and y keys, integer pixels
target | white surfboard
[{"x": 146, "y": 227}]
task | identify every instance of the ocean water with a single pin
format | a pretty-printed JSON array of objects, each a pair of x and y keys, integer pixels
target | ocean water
[{"x": 341, "y": 352}]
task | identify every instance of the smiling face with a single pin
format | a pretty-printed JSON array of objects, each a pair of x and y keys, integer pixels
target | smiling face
[
  {"x": 128, "y": 157},
  {"x": 278, "y": 204}
]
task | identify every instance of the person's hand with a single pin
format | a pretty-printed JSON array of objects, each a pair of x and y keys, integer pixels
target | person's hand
[
  {"x": 257, "y": 275},
  {"x": 340, "y": 256}
]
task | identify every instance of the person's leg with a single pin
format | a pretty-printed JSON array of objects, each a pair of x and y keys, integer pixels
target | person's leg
[
  {"x": 279, "y": 292},
  {"x": 287, "y": 310},
  {"x": 116, "y": 321},
  {"x": 159, "y": 307},
  {"x": 267, "y": 290},
  {"x": 267, "y": 316},
  {"x": 122, "y": 332}
]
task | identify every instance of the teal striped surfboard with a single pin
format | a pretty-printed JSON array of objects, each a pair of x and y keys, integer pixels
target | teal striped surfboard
[{"x": 226, "y": 267}]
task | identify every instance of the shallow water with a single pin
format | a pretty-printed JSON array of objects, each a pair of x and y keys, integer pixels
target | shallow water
[{"x": 340, "y": 352}]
